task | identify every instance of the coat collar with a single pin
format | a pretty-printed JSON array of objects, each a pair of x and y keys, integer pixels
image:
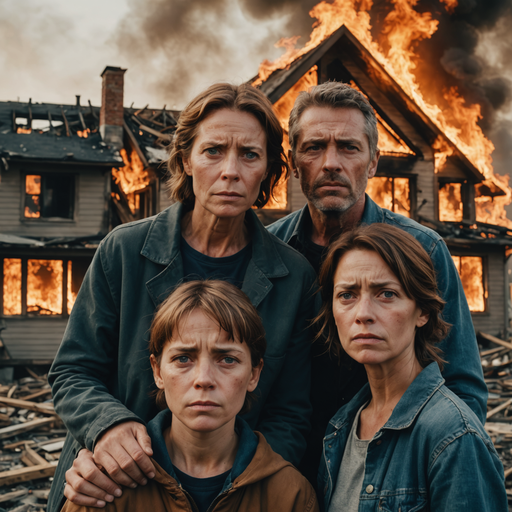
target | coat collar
[
  {"x": 162, "y": 246},
  {"x": 410, "y": 405}
]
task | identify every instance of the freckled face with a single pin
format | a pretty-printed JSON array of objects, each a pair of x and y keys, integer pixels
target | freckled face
[
  {"x": 332, "y": 158},
  {"x": 376, "y": 320},
  {"x": 205, "y": 375},
  {"x": 227, "y": 163}
]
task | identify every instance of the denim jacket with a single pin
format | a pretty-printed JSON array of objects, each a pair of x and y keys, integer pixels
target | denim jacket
[
  {"x": 463, "y": 371},
  {"x": 432, "y": 454},
  {"x": 101, "y": 375}
]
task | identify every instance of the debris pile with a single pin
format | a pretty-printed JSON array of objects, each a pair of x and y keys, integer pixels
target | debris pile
[{"x": 31, "y": 440}]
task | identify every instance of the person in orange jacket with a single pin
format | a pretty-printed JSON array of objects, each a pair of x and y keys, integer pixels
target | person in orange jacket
[{"x": 207, "y": 345}]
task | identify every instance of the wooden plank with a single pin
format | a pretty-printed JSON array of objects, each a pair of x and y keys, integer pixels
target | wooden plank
[
  {"x": 14, "y": 430},
  {"x": 504, "y": 405},
  {"x": 8, "y": 496},
  {"x": 26, "y": 404},
  {"x": 489, "y": 337},
  {"x": 15, "y": 476},
  {"x": 33, "y": 457},
  {"x": 53, "y": 447},
  {"x": 44, "y": 392}
]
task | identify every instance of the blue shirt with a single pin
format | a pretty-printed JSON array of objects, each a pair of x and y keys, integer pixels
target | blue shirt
[{"x": 432, "y": 454}]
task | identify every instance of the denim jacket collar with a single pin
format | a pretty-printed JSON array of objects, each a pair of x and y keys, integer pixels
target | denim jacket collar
[
  {"x": 407, "y": 409},
  {"x": 163, "y": 241},
  {"x": 372, "y": 213}
]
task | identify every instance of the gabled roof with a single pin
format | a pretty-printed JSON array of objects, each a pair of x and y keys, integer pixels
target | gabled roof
[
  {"x": 55, "y": 134},
  {"x": 281, "y": 80}
]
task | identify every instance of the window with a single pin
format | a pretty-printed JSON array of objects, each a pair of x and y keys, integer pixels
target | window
[
  {"x": 450, "y": 202},
  {"x": 471, "y": 272},
  {"x": 391, "y": 193},
  {"x": 41, "y": 287},
  {"x": 49, "y": 196}
]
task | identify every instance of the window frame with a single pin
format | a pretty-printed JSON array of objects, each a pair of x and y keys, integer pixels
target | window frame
[
  {"x": 413, "y": 195},
  {"x": 74, "y": 192}
]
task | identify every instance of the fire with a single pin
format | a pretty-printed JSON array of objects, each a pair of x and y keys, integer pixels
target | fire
[
  {"x": 441, "y": 153},
  {"x": 12, "y": 286},
  {"x": 391, "y": 193},
  {"x": 23, "y": 130},
  {"x": 83, "y": 133},
  {"x": 403, "y": 27},
  {"x": 450, "y": 202},
  {"x": 71, "y": 295},
  {"x": 132, "y": 177},
  {"x": 33, "y": 189},
  {"x": 44, "y": 287},
  {"x": 471, "y": 274}
]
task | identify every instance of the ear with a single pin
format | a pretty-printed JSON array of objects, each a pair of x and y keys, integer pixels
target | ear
[
  {"x": 422, "y": 319},
  {"x": 293, "y": 166},
  {"x": 186, "y": 166},
  {"x": 372, "y": 166},
  {"x": 255, "y": 376},
  {"x": 155, "y": 365}
]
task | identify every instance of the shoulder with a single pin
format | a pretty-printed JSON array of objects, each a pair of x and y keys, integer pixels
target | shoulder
[
  {"x": 283, "y": 228},
  {"x": 427, "y": 237}
]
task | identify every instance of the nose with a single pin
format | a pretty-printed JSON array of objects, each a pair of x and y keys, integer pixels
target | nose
[
  {"x": 204, "y": 375},
  {"x": 230, "y": 168},
  {"x": 332, "y": 161},
  {"x": 365, "y": 313}
]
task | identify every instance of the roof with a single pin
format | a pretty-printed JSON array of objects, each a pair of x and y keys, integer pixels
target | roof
[
  {"x": 50, "y": 132},
  {"x": 281, "y": 80}
]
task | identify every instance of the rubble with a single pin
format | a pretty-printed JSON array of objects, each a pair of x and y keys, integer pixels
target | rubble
[{"x": 32, "y": 435}]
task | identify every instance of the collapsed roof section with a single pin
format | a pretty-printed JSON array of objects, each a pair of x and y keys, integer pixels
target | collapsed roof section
[{"x": 53, "y": 133}]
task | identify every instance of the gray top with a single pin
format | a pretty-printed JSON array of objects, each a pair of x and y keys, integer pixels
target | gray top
[{"x": 350, "y": 478}]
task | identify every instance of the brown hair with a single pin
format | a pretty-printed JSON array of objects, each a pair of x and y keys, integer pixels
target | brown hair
[
  {"x": 244, "y": 98},
  {"x": 223, "y": 303},
  {"x": 413, "y": 267},
  {"x": 333, "y": 95}
]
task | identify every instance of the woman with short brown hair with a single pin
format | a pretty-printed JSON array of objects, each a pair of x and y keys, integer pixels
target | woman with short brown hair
[{"x": 405, "y": 441}]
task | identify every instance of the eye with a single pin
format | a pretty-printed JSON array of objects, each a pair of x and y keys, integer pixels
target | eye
[
  {"x": 212, "y": 151},
  {"x": 229, "y": 360},
  {"x": 251, "y": 155},
  {"x": 388, "y": 294},
  {"x": 345, "y": 296},
  {"x": 182, "y": 359},
  {"x": 314, "y": 147},
  {"x": 351, "y": 147}
]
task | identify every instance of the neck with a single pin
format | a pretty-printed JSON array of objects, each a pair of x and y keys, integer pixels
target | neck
[
  {"x": 201, "y": 454},
  {"x": 214, "y": 236},
  {"x": 388, "y": 383},
  {"x": 328, "y": 224}
]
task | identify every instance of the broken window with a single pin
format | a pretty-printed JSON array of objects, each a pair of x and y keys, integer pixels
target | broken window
[
  {"x": 49, "y": 196},
  {"x": 450, "y": 202},
  {"x": 471, "y": 272},
  {"x": 391, "y": 193},
  {"x": 41, "y": 287}
]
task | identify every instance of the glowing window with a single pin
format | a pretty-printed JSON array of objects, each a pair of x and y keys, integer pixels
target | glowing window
[
  {"x": 391, "y": 193},
  {"x": 471, "y": 272},
  {"x": 49, "y": 196},
  {"x": 50, "y": 286},
  {"x": 450, "y": 202}
]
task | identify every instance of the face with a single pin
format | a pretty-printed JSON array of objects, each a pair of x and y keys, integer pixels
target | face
[
  {"x": 227, "y": 163},
  {"x": 376, "y": 320},
  {"x": 332, "y": 158},
  {"x": 205, "y": 375}
]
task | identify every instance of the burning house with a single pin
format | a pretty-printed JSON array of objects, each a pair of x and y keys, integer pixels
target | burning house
[
  {"x": 435, "y": 166},
  {"x": 68, "y": 175}
]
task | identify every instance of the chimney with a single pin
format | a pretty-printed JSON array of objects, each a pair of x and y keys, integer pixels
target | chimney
[{"x": 111, "y": 113}]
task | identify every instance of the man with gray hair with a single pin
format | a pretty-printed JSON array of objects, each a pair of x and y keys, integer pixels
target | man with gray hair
[{"x": 334, "y": 151}]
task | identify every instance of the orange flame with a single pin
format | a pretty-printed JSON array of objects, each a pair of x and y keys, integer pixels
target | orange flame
[
  {"x": 132, "y": 177},
  {"x": 391, "y": 193},
  {"x": 471, "y": 274},
  {"x": 23, "y": 130},
  {"x": 12, "y": 286},
  {"x": 83, "y": 133},
  {"x": 44, "y": 287},
  {"x": 71, "y": 295},
  {"x": 403, "y": 28},
  {"x": 450, "y": 202}
]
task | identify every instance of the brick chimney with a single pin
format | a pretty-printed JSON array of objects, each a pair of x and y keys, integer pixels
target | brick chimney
[{"x": 111, "y": 113}]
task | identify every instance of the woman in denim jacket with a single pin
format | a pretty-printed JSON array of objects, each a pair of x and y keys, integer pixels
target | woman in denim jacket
[{"x": 405, "y": 442}]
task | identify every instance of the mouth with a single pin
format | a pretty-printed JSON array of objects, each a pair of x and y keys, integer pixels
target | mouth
[
  {"x": 203, "y": 405},
  {"x": 230, "y": 195},
  {"x": 331, "y": 185},
  {"x": 367, "y": 339}
]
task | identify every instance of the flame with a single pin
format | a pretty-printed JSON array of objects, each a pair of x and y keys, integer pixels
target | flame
[
  {"x": 403, "y": 27},
  {"x": 441, "y": 153},
  {"x": 23, "y": 130},
  {"x": 12, "y": 286},
  {"x": 44, "y": 287},
  {"x": 132, "y": 177},
  {"x": 450, "y": 202},
  {"x": 391, "y": 193},
  {"x": 471, "y": 274},
  {"x": 71, "y": 295},
  {"x": 83, "y": 133}
]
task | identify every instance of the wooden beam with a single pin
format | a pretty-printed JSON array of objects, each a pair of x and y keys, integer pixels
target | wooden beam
[
  {"x": 66, "y": 124},
  {"x": 489, "y": 337},
  {"x": 26, "y": 404},
  {"x": 504, "y": 405},
  {"x": 15, "y": 476},
  {"x": 14, "y": 430},
  {"x": 32, "y": 458},
  {"x": 156, "y": 133},
  {"x": 43, "y": 392},
  {"x": 8, "y": 496}
]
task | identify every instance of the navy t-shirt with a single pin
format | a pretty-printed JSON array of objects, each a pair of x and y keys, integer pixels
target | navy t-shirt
[
  {"x": 202, "y": 490},
  {"x": 197, "y": 265}
]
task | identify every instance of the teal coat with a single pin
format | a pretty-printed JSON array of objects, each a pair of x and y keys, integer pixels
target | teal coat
[{"x": 102, "y": 375}]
